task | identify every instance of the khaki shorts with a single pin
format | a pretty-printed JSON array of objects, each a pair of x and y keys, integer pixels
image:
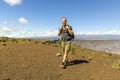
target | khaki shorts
[{"x": 66, "y": 46}]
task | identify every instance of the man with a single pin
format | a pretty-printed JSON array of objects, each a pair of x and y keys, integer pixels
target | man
[{"x": 66, "y": 34}]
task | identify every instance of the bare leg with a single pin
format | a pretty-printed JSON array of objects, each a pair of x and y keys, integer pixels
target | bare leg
[{"x": 65, "y": 56}]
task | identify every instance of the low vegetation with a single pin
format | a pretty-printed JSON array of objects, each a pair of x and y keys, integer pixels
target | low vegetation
[
  {"x": 6, "y": 40},
  {"x": 116, "y": 64}
]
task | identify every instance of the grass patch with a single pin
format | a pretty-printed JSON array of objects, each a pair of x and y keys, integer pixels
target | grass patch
[
  {"x": 90, "y": 58},
  {"x": 54, "y": 45},
  {"x": 116, "y": 65},
  {"x": 4, "y": 44},
  {"x": 104, "y": 55},
  {"x": 74, "y": 50},
  {"x": 36, "y": 42}
]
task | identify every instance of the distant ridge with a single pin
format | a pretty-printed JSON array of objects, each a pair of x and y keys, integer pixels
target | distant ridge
[
  {"x": 48, "y": 38},
  {"x": 97, "y": 37},
  {"x": 85, "y": 37}
]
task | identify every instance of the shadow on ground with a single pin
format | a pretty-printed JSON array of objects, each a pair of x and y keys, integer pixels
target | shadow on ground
[{"x": 75, "y": 62}]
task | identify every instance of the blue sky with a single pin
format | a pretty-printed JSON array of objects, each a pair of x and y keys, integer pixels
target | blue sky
[{"x": 28, "y": 18}]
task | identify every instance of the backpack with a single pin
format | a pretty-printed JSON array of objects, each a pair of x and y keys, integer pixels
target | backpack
[{"x": 65, "y": 36}]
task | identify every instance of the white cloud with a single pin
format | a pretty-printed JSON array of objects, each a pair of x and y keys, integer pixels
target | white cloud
[
  {"x": 21, "y": 34},
  {"x": 44, "y": 34},
  {"x": 54, "y": 33},
  {"x": 4, "y": 29},
  {"x": 24, "y": 34},
  {"x": 29, "y": 33},
  {"x": 50, "y": 33},
  {"x": 13, "y": 2},
  {"x": 113, "y": 32},
  {"x": 23, "y": 20}
]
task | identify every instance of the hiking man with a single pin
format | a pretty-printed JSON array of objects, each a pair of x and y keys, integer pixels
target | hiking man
[{"x": 66, "y": 33}]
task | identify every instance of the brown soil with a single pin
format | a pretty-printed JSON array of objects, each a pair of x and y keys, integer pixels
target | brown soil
[{"x": 31, "y": 61}]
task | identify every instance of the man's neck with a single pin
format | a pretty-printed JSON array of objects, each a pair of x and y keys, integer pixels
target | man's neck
[{"x": 64, "y": 25}]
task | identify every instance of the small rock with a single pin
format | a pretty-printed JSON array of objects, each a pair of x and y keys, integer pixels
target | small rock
[
  {"x": 7, "y": 79},
  {"x": 58, "y": 54}
]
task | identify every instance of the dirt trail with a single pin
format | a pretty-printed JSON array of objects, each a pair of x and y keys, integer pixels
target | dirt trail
[{"x": 30, "y": 61}]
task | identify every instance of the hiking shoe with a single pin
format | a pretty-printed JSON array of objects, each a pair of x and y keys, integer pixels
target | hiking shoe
[
  {"x": 66, "y": 63},
  {"x": 63, "y": 65}
]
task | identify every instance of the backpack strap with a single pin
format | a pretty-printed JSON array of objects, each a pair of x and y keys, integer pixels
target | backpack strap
[{"x": 69, "y": 26}]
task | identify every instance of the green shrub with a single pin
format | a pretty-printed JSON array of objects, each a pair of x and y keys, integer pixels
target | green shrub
[
  {"x": 54, "y": 45},
  {"x": 36, "y": 42},
  {"x": 29, "y": 40},
  {"x": 13, "y": 40},
  {"x": 43, "y": 42},
  {"x": 116, "y": 65},
  {"x": 59, "y": 42},
  {"x": 110, "y": 54},
  {"x": 22, "y": 40},
  {"x": 4, "y": 44},
  {"x": 16, "y": 41},
  {"x": 83, "y": 57},
  {"x": 73, "y": 50},
  {"x": 93, "y": 52},
  {"x": 90, "y": 58},
  {"x": 48, "y": 42},
  {"x": 104, "y": 55}
]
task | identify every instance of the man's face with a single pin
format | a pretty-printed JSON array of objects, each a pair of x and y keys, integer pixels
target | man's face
[{"x": 64, "y": 21}]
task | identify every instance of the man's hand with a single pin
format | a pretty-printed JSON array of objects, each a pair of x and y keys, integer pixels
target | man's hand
[{"x": 67, "y": 27}]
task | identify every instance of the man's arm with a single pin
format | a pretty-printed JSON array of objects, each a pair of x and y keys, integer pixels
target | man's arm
[
  {"x": 70, "y": 30},
  {"x": 59, "y": 32}
]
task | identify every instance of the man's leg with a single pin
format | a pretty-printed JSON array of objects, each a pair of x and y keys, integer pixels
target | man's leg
[
  {"x": 68, "y": 45},
  {"x": 66, "y": 52},
  {"x": 64, "y": 64},
  {"x": 63, "y": 50},
  {"x": 65, "y": 56}
]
